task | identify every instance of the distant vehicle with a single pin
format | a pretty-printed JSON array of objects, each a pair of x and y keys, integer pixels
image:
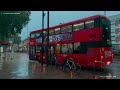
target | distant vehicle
[{"x": 87, "y": 41}]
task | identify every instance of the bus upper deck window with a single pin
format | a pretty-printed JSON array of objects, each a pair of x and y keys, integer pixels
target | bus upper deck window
[
  {"x": 78, "y": 26},
  {"x": 51, "y": 32},
  {"x": 66, "y": 29},
  {"x": 57, "y": 31},
  {"x": 45, "y": 33},
  {"x": 89, "y": 24}
]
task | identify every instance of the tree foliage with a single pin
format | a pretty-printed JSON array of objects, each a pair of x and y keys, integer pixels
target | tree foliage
[
  {"x": 12, "y": 22},
  {"x": 16, "y": 39}
]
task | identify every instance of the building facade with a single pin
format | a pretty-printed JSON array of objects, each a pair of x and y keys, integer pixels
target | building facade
[{"x": 115, "y": 32}]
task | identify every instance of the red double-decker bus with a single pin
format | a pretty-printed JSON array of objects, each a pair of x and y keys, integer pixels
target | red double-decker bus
[{"x": 87, "y": 41}]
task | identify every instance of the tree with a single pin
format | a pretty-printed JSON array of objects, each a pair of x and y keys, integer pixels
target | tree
[
  {"x": 12, "y": 22},
  {"x": 16, "y": 39}
]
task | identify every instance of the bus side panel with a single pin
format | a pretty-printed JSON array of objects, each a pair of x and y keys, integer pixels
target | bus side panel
[
  {"x": 41, "y": 56},
  {"x": 82, "y": 59},
  {"x": 91, "y": 59},
  {"x": 92, "y": 34},
  {"x": 60, "y": 57}
]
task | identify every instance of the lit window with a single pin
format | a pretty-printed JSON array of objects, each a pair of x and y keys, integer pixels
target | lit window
[
  {"x": 51, "y": 32},
  {"x": 89, "y": 24},
  {"x": 66, "y": 29},
  {"x": 45, "y": 33},
  {"x": 77, "y": 48},
  {"x": 57, "y": 30},
  {"x": 64, "y": 48},
  {"x": 57, "y": 48},
  {"x": 67, "y": 48},
  {"x": 78, "y": 26}
]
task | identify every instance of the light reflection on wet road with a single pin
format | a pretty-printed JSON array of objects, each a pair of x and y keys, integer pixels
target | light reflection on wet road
[{"x": 21, "y": 68}]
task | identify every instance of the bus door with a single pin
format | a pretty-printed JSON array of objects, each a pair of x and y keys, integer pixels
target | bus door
[
  {"x": 51, "y": 51},
  {"x": 43, "y": 53},
  {"x": 32, "y": 53},
  {"x": 38, "y": 54}
]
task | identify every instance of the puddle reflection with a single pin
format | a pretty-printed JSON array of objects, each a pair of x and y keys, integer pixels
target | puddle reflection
[
  {"x": 71, "y": 74},
  {"x": 21, "y": 66},
  {"x": 34, "y": 67},
  {"x": 44, "y": 68}
]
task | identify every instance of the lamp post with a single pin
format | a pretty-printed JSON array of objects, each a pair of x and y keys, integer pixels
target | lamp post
[
  {"x": 47, "y": 36},
  {"x": 43, "y": 14},
  {"x": 12, "y": 46}
]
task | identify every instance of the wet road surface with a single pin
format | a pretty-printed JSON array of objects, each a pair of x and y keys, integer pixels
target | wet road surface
[{"x": 21, "y": 68}]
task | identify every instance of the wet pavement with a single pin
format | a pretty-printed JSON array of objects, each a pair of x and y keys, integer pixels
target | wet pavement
[{"x": 21, "y": 68}]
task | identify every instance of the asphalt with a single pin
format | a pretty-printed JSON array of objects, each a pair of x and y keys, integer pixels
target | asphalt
[{"x": 20, "y": 67}]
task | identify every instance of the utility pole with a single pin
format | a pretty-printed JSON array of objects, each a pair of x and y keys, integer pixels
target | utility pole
[
  {"x": 12, "y": 48},
  {"x": 43, "y": 14},
  {"x": 47, "y": 35}
]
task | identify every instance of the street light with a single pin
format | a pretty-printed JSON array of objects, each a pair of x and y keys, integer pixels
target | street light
[
  {"x": 12, "y": 46},
  {"x": 43, "y": 14},
  {"x": 47, "y": 34}
]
